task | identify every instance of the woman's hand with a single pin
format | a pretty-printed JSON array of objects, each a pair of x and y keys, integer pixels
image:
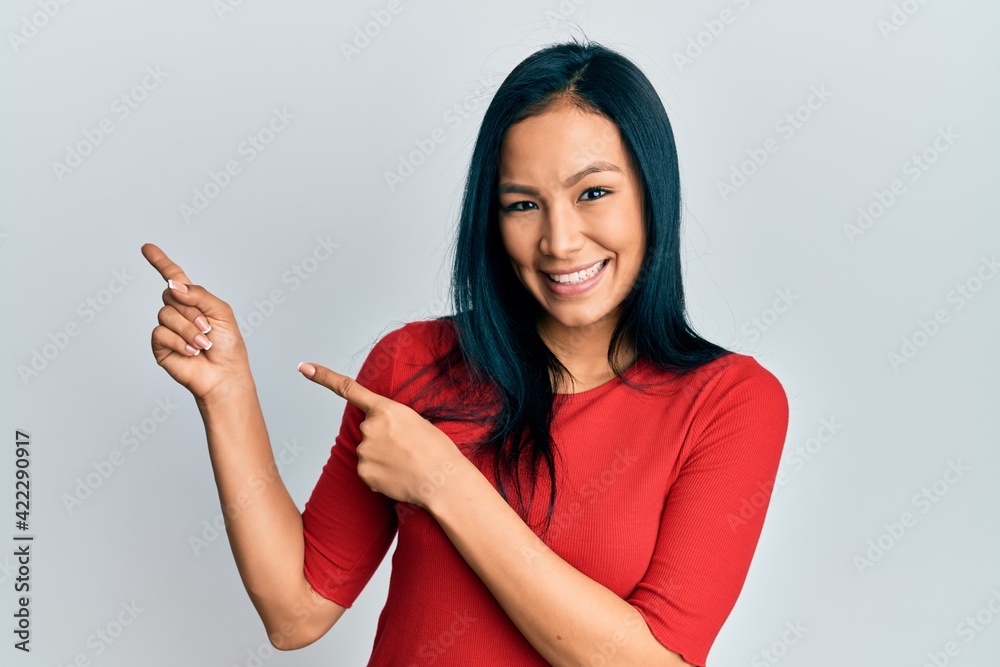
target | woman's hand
[
  {"x": 198, "y": 341},
  {"x": 401, "y": 454}
]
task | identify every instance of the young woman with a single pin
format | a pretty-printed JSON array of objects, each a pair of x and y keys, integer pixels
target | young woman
[{"x": 575, "y": 477}]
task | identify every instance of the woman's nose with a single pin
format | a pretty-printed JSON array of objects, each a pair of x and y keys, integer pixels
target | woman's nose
[{"x": 562, "y": 231}]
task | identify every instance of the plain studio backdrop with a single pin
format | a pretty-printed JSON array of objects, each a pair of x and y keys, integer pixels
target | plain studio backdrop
[{"x": 304, "y": 161}]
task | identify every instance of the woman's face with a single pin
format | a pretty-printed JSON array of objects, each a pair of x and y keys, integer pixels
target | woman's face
[{"x": 570, "y": 200}]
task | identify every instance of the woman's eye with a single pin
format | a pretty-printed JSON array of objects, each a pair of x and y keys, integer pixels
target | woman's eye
[
  {"x": 522, "y": 206},
  {"x": 515, "y": 207},
  {"x": 602, "y": 191}
]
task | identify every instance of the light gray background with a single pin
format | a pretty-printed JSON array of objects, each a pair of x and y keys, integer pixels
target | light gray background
[{"x": 852, "y": 304}]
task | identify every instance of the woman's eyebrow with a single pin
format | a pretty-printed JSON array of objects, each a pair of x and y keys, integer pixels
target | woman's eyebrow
[{"x": 592, "y": 168}]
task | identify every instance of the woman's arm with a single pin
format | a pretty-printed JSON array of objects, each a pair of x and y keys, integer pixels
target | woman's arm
[
  {"x": 705, "y": 536},
  {"x": 568, "y": 617},
  {"x": 263, "y": 524}
]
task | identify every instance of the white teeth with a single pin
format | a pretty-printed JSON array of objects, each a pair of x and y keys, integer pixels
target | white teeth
[{"x": 579, "y": 276}]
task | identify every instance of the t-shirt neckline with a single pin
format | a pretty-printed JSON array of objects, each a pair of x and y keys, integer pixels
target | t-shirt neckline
[{"x": 628, "y": 373}]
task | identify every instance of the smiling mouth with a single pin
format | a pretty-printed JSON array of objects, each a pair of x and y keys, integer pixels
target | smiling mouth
[{"x": 577, "y": 277}]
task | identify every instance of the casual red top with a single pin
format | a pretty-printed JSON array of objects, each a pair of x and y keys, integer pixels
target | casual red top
[{"x": 660, "y": 498}]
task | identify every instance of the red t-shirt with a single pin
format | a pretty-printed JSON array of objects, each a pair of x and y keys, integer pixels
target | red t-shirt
[{"x": 660, "y": 498}]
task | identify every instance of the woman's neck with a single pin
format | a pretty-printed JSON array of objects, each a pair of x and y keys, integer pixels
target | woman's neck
[{"x": 584, "y": 353}]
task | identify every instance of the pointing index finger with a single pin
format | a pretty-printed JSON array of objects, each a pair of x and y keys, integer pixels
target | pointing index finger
[
  {"x": 343, "y": 386},
  {"x": 163, "y": 264}
]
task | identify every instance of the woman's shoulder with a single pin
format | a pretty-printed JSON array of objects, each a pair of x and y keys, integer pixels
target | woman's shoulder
[
  {"x": 737, "y": 373},
  {"x": 411, "y": 349},
  {"x": 730, "y": 372},
  {"x": 438, "y": 329},
  {"x": 416, "y": 342},
  {"x": 736, "y": 365}
]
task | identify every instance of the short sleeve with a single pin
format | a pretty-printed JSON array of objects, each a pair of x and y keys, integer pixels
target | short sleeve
[
  {"x": 714, "y": 511},
  {"x": 348, "y": 527}
]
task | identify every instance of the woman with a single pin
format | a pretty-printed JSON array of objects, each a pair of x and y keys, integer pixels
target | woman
[{"x": 574, "y": 476}]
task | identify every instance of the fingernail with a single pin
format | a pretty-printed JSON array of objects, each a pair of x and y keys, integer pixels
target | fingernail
[
  {"x": 192, "y": 350},
  {"x": 203, "y": 342},
  {"x": 202, "y": 324},
  {"x": 177, "y": 287},
  {"x": 307, "y": 369}
]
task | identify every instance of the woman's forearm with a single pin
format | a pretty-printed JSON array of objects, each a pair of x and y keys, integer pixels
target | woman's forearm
[
  {"x": 263, "y": 524},
  {"x": 568, "y": 617}
]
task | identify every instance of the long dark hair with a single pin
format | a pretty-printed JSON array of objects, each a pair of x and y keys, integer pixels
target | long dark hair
[{"x": 503, "y": 366}]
